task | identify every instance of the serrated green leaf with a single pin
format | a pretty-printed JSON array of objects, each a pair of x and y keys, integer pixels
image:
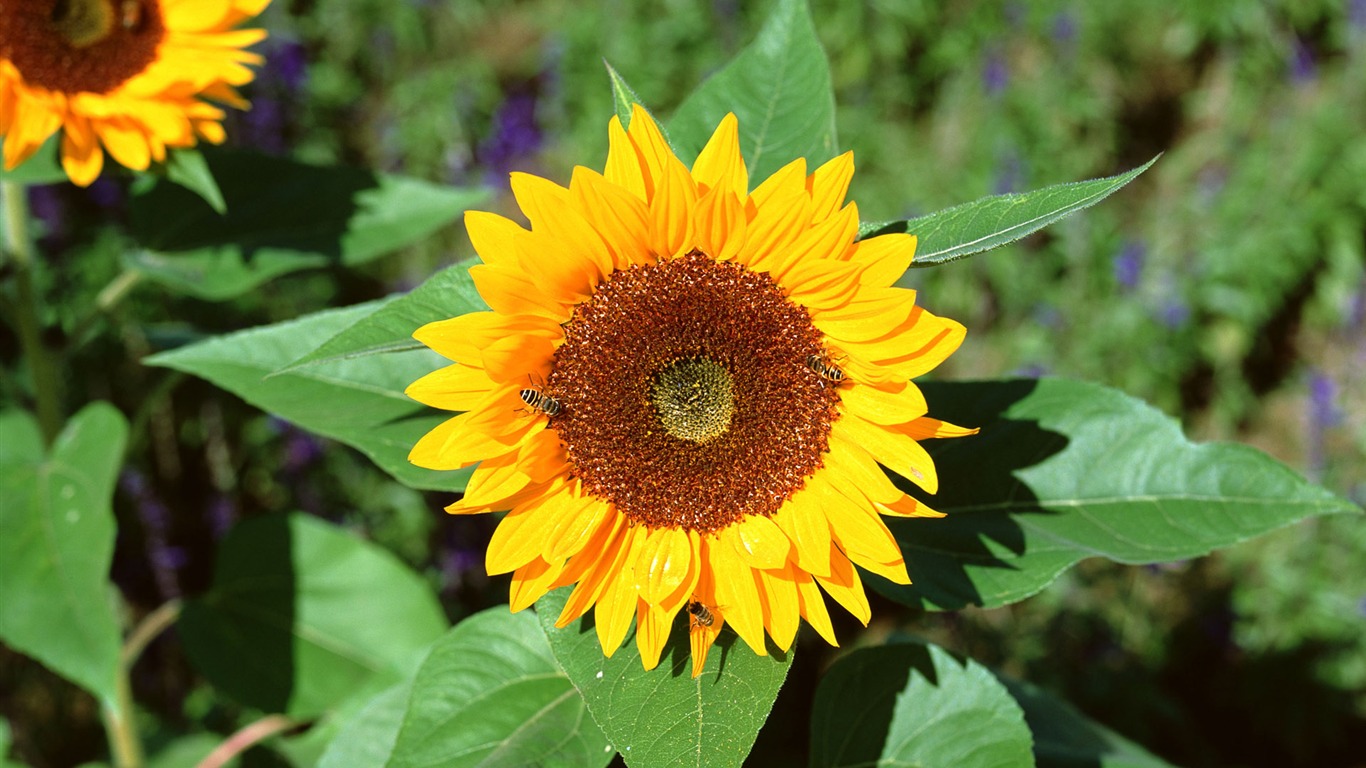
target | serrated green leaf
[
  {"x": 1065, "y": 738},
  {"x": 57, "y": 543},
  {"x": 490, "y": 694},
  {"x": 991, "y": 222},
  {"x": 359, "y": 402},
  {"x": 302, "y": 614},
  {"x": 778, "y": 87},
  {"x": 1066, "y": 470},
  {"x": 189, "y": 169},
  {"x": 44, "y": 167},
  {"x": 623, "y": 95},
  {"x": 449, "y": 293},
  {"x": 664, "y": 717},
  {"x": 282, "y": 216},
  {"x": 911, "y": 704}
]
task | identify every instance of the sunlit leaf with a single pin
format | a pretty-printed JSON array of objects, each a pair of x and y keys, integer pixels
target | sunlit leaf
[
  {"x": 282, "y": 216},
  {"x": 664, "y": 717},
  {"x": 302, "y": 614},
  {"x": 446, "y": 294},
  {"x": 909, "y": 704},
  {"x": 56, "y": 602},
  {"x": 1066, "y": 470},
  {"x": 367, "y": 737},
  {"x": 991, "y": 222},
  {"x": 1065, "y": 738},
  {"x": 358, "y": 401},
  {"x": 189, "y": 169},
  {"x": 778, "y": 87},
  {"x": 623, "y": 95},
  {"x": 490, "y": 694}
]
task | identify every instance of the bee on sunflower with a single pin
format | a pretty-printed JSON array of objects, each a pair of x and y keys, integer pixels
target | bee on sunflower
[
  {"x": 728, "y": 369},
  {"x": 128, "y": 77}
]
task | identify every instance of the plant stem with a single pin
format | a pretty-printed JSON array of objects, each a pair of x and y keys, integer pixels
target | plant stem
[
  {"x": 147, "y": 630},
  {"x": 46, "y": 383},
  {"x": 124, "y": 744},
  {"x": 249, "y": 735},
  {"x": 108, "y": 298}
]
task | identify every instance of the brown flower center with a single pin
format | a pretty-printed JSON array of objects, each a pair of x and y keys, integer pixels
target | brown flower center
[
  {"x": 74, "y": 46},
  {"x": 686, "y": 396}
]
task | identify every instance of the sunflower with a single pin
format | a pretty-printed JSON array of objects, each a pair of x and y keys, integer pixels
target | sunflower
[
  {"x": 125, "y": 74},
  {"x": 683, "y": 393}
]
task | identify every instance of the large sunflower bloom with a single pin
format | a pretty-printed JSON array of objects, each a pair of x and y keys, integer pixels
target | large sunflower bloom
[
  {"x": 683, "y": 392},
  {"x": 130, "y": 75}
]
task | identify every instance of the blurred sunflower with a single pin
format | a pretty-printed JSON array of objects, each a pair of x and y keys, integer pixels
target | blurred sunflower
[
  {"x": 130, "y": 75},
  {"x": 684, "y": 391}
]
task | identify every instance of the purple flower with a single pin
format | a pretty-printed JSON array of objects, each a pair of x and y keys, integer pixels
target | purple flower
[
  {"x": 1356, "y": 13},
  {"x": 516, "y": 135},
  {"x": 1323, "y": 416},
  {"x": 995, "y": 74},
  {"x": 1129, "y": 264},
  {"x": 1031, "y": 371},
  {"x": 1065, "y": 29},
  {"x": 165, "y": 559},
  {"x": 1009, "y": 173},
  {"x": 1174, "y": 313},
  {"x": 1302, "y": 67}
]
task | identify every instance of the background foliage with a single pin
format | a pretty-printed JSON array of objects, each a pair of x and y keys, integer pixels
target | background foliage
[{"x": 1226, "y": 286}]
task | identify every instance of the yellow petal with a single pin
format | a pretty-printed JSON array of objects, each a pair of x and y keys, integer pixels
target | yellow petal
[
  {"x": 845, "y": 586},
  {"x": 517, "y": 539},
  {"x": 464, "y": 338},
  {"x": 719, "y": 224},
  {"x": 577, "y": 244},
  {"x": 803, "y": 522},
  {"x": 892, "y": 449},
  {"x": 453, "y": 388},
  {"x": 885, "y": 403},
  {"x": 511, "y": 293},
  {"x": 531, "y": 582},
  {"x": 653, "y": 624},
  {"x": 592, "y": 568},
  {"x": 81, "y": 156},
  {"x": 813, "y": 604},
  {"x": 829, "y": 184},
  {"x": 624, "y": 163},
  {"x": 620, "y": 217},
  {"x": 575, "y": 524},
  {"x": 494, "y": 238},
  {"x": 781, "y": 608},
  {"x": 613, "y": 611},
  {"x": 663, "y": 564},
  {"x": 759, "y": 542},
  {"x": 884, "y": 258},
  {"x": 737, "y": 594},
  {"x": 719, "y": 165},
  {"x": 926, "y": 427}
]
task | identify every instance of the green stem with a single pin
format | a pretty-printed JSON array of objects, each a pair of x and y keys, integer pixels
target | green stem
[
  {"x": 108, "y": 298},
  {"x": 41, "y": 365},
  {"x": 124, "y": 744},
  {"x": 247, "y": 737},
  {"x": 147, "y": 630}
]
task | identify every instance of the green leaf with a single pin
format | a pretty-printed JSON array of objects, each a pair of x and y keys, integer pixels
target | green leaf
[
  {"x": 446, "y": 294},
  {"x": 189, "y": 169},
  {"x": 357, "y": 401},
  {"x": 58, "y": 523},
  {"x": 1065, "y": 738},
  {"x": 623, "y": 96},
  {"x": 991, "y": 222},
  {"x": 282, "y": 216},
  {"x": 368, "y": 736},
  {"x": 44, "y": 167},
  {"x": 664, "y": 717},
  {"x": 1066, "y": 470},
  {"x": 912, "y": 704},
  {"x": 779, "y": 88},
  {"x": 302, "y": 614},
  {"x": 186, "y": 750},
  {"x": 491, "y": 694}
]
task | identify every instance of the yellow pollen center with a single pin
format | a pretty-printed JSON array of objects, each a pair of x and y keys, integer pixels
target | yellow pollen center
[
  {"x": 695, "y": 399},
  {"x": 83, "y": 23}
]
